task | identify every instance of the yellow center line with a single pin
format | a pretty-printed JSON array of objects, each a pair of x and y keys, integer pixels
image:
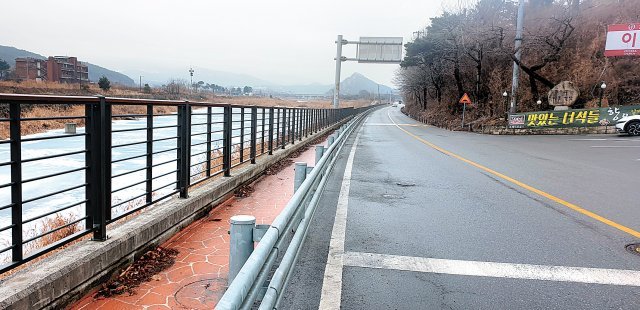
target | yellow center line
[{"x": 525, "y": 186}]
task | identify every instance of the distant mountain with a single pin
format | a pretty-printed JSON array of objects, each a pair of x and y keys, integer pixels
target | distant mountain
[
  {"x": 357, "y": 82},
  {"x": 222, "y": 78},
  {"x": 9, "y": 54}
]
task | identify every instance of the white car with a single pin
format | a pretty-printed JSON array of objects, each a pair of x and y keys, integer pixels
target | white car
[{"x": 629, "y": 124}]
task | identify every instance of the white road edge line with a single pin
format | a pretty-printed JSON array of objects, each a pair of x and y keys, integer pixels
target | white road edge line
[
  {"x": 495, "y": 270},
  {"x": 614, "y": 146},
  {"x": 331, "y": 295}
]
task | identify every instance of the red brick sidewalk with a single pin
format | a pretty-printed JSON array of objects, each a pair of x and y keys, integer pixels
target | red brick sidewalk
[{"x": 198, "y": 278}]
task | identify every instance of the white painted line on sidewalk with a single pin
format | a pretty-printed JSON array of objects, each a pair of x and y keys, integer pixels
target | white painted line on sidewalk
[
  {"x": 494, "y": 270},
  {"x": 332, "y": 283}
]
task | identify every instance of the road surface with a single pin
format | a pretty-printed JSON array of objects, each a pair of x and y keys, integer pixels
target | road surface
[{"x": 416, "y": 217}]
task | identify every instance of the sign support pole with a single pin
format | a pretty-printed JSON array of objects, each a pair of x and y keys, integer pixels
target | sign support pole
[
  {"x": 336, "y": 91},
  {"x": 464, "y": 109}
]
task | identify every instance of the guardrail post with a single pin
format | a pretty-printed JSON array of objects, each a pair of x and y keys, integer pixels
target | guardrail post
[
  {"x": 254, "y": 133},
  {"x": 271, "y": 131},
  {"x": 300, "y": 175},
  {"x": 241, "y": 243},
  {"x": 330, "y": 140},
  {"x": 98, "y": 173},
  {"x": 184, "y": 146},
  {"x": 226, "y": 141},
  {"x": 319, "y": 153},
  {"x": 16, "y": 180}
]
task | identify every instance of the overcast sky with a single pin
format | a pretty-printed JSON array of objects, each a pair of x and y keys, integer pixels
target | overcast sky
[{"x": 282, "y": 41}]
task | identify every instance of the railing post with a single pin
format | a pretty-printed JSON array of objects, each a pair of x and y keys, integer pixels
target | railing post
[
  {"x": 241, "y": 135},
  {"x": 16, "y": 180},
  {"x": 240, "y": 243},
  {"x": 262, "y": 132},
  {"x": 271, "y": 131},
  {"x": 284, "y": 127},
  {"x": 226, "y": 141},
  {"x": 98, "y": 173},
  {"x": 149, "y": 157},
  {"x": 292, "y": 121},
  {"x": 254, "y": 130},
  {"x": 208, "y": 157},
  {"x": 184, "y": 148}
]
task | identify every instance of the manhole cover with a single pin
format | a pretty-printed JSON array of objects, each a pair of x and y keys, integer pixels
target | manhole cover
[
  {"x": 634, "y": 248},
  {"x": 203, "y": 294}
]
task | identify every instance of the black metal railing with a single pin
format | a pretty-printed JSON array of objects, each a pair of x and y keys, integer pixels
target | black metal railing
[{"x": 126, "y": 155}]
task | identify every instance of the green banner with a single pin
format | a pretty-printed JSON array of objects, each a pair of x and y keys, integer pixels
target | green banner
[{"x": 572, "y": 118}]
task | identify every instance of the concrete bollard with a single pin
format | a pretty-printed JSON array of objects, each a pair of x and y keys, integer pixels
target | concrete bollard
[
  {"x": 319, "y": 153},
  {"x": 241, "y": 243},
  {"x": 300, "y": 175},
  {"x": 70, "y": 128}
]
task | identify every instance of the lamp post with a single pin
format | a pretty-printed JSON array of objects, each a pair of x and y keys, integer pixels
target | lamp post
[
  {"x": 505, "y": 95},
  {"x": 191, "y": 74},
  {"x": 603, "y": 86}
]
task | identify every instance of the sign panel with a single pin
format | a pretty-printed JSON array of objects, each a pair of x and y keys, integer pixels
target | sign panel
[
  {"x": 623, "y": 40},
  {"x": 465, "y": 99},
  {"x": 572, "y": 118},
  {"x": 379, "y": 50}
]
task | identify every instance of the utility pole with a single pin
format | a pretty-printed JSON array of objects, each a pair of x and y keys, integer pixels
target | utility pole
[
  {"x": 141, "y": 83},
  {"x": 336, "y": 90},
  {"x": 516, "y": 67},
  {"x": 378, "y": 93}
]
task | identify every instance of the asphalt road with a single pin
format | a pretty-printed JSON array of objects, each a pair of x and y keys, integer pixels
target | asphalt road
[{"x": 417, "y": 217}]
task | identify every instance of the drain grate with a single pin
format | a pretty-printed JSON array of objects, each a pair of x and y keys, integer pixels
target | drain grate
[{"x": 634, "y": 248}]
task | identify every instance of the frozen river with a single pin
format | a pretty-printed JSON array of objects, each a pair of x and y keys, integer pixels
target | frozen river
[{"x": 35, "y": 149}]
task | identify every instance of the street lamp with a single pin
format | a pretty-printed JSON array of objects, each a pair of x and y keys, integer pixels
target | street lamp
[
  {"x": 191, "y": 74},
  {"x": 539, "y": 102},
  {"x": 603, "y": 86},
  {"x": 505, "y": 95}
]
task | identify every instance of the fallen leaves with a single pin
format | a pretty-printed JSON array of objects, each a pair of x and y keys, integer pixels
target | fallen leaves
[{"x": 144, "y": 269}]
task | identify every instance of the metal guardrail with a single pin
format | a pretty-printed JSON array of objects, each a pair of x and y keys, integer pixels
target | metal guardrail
[
  {"x": 292, "y": 223},
  {"x": 197, "y": 140}
]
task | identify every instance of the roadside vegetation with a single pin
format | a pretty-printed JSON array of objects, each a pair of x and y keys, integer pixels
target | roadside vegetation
[{"x": 470, "y": 49}]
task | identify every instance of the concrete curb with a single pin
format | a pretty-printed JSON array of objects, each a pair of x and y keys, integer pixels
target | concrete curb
[{"x": 68, "y": 274}]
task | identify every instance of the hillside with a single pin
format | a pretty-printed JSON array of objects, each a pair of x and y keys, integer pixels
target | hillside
[
  {"x": 9, "y": 54},
  {"x": 471, "y": 51}
]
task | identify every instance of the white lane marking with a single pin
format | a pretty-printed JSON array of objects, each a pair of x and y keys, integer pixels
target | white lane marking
[
  {"x": 600, "y": 139},
  {"x": 495, "y": 270},
  {"x": 332, "y": 283},
  {"x": 614, "y": 146}
]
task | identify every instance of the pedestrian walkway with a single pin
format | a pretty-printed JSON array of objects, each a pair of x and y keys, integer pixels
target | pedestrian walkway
[{"x": 198, "y": 278}]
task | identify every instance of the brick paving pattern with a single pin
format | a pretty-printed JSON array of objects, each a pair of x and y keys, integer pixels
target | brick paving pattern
[{"x": 198, "y": 278}]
